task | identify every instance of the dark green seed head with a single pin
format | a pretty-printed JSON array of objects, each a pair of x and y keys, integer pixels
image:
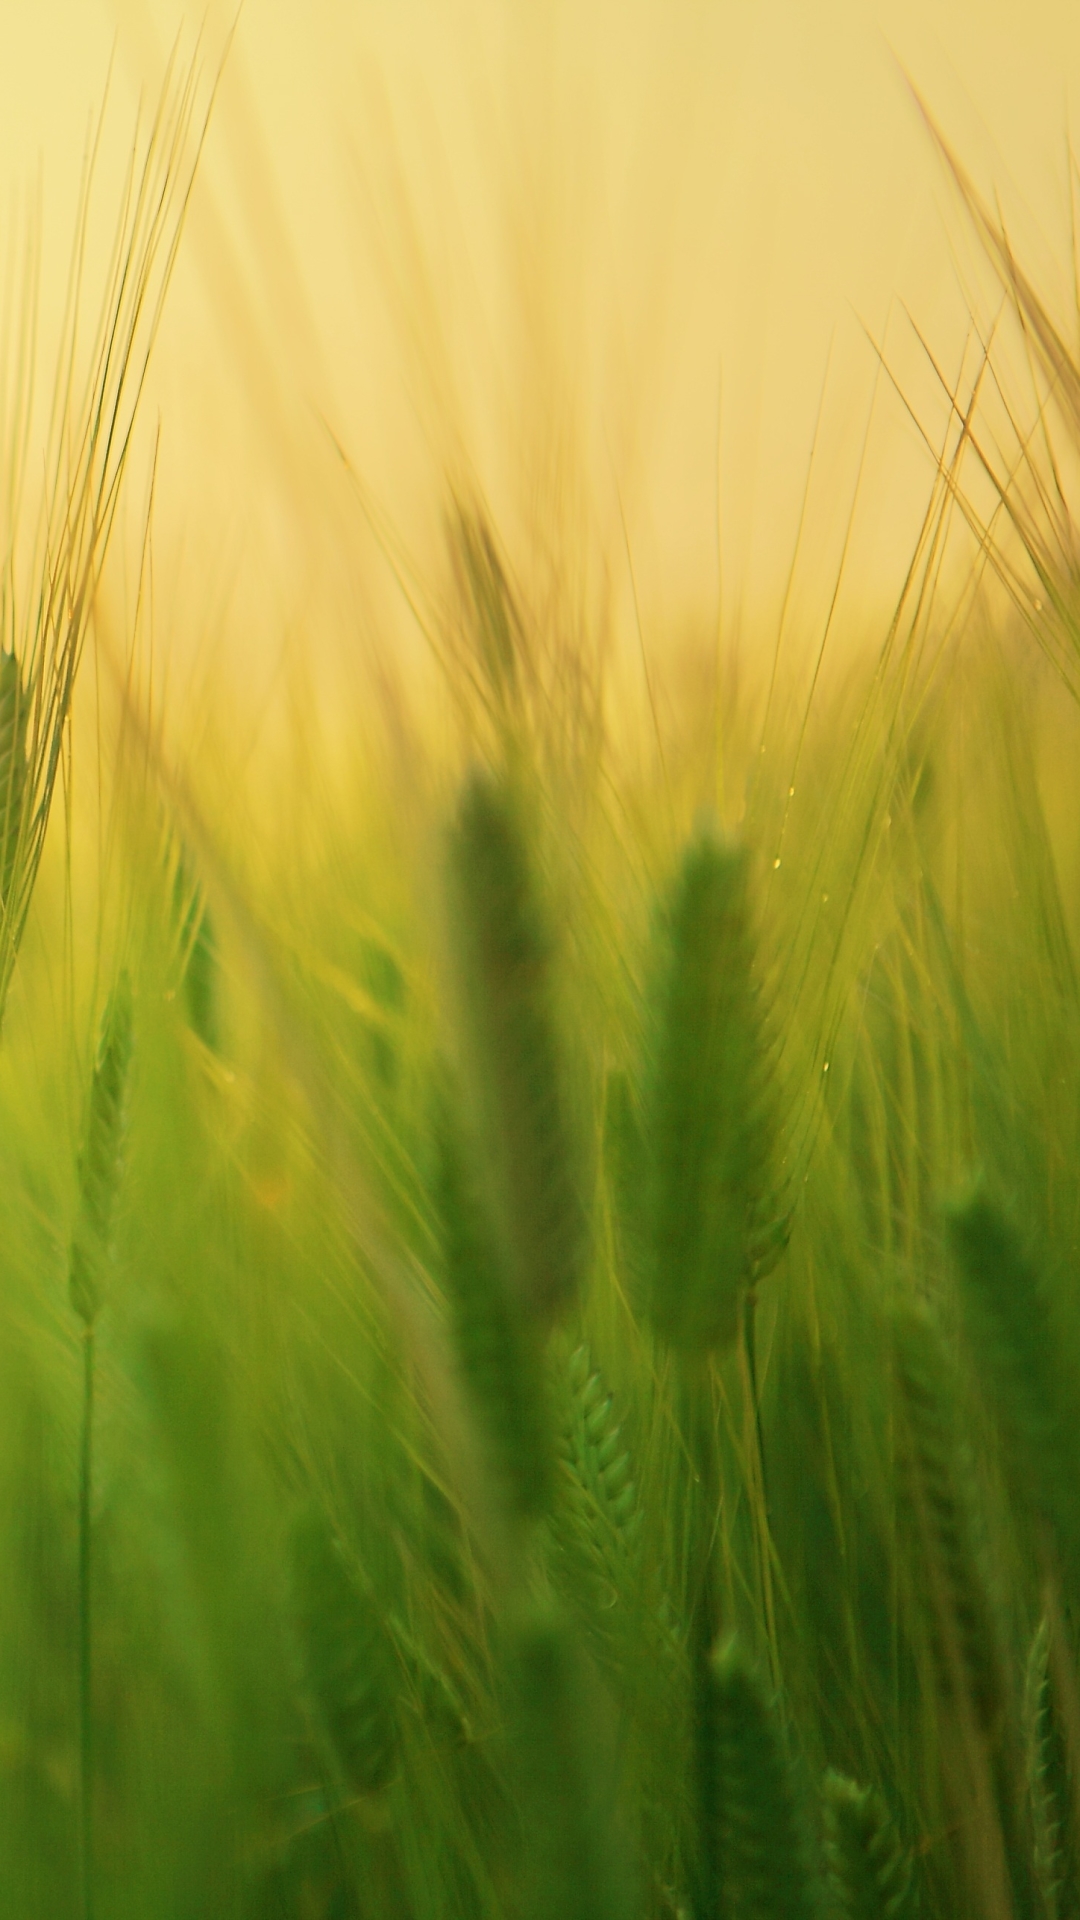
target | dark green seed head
[
  {"x": 576, "y": 1856},
  {"x": 516, "y": 1070},
  {"x": 937, "y": 1511},
  {"x": 497, "y": 1344},
  {"x": 869, "y": 1872},
  {"x": 756, "y": 1860},
  {"x": 1016, "y": 1350},
  {"x": 707, "y": 1135},
  {"x": 348, "y": 1658},
  {"x": 1052, "y": 1786}
]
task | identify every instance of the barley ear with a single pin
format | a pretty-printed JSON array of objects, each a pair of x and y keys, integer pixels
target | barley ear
[
  {"x": 983, "y": 1772},
  {"x": 755, "y": 1851},
  {"x": 348, "y": 1659},
  {"x": 102, "y": 1159},
  {"x": 938, "y": 1520},
  {"x": 516, "y": 1072},
  {"x": 869, "y": 1871},
  {"x": 707, "y": 1132},
  {"x": 497, "y": 1345},
  {"x": 1017, "y": 1352},
  {"x": 576, "y": 1856},
  {"x": 596, "y": 1527},
  {"x": 1052, "y": 1787}
]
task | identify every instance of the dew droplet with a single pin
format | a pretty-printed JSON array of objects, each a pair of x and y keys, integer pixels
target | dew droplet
[
  {"x": 825, "y": 1068},
  {"x": 776, "y": 863},
  {"x": 1038, "y": 606},
  {"x": 791, "y": 793}
]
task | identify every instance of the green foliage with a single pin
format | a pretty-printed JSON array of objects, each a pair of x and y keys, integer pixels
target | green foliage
[{"x": 498, "y": 1669}]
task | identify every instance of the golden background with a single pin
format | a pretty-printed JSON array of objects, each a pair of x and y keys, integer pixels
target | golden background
[{"x": 610, "y": 261}]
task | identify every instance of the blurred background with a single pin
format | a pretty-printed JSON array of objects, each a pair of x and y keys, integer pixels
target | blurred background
[{"x": 631, "y": 273}]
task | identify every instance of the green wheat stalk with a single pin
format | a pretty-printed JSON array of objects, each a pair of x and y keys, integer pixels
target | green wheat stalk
[{"x": 100, "y": 1171}]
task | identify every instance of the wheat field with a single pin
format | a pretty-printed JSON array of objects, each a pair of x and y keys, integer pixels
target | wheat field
[{"x": 539, "y": 1218}]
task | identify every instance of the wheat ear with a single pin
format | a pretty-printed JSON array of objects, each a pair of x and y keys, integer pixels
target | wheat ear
[
  {"x": 515, "y": 1065},
  {"x": 706, "y": 1131},
  {"x": 869, "y": 1871},
  {"x": 497, "y": 1343},
  {"x": 754, "y": 1857},
  {"x": 1052, "y": 1786}
]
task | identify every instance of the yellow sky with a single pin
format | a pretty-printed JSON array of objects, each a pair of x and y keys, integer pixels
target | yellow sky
[{"x": 625, "y": 244}]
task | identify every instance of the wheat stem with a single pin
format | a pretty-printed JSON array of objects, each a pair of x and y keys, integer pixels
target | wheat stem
[{"x": 86, "y": 1714}]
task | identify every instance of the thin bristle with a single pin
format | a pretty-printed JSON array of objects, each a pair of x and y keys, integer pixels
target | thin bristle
[{"x": 12, "y": 774}]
